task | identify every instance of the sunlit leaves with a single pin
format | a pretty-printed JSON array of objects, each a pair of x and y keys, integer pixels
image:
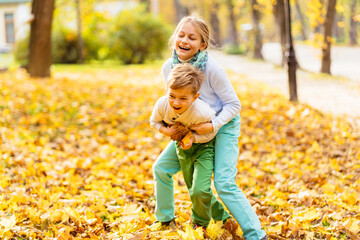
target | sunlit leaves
[{"x": 76, "y": 159}]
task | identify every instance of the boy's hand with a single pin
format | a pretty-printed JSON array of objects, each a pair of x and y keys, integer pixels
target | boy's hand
[
  {"x": 203, "y": 128},
  {"x": 187, "y": 141}
]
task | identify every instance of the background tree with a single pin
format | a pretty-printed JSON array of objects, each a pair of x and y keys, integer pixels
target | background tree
[
  {"x": 215, "y": 23},
  {"x": 302, "y": 20},
  {"x": 255, "y": 10},
  {"x": 326, "y": 48},
  {"x": 232, "y": 31},
  {"x": 80, "y": 43},
  {"x": 353, "y": 23},
  {"x": 338, "y": 26},
  {"x": 180, "y": 10},
  {"x": 40, "y": 38},
  {"x": 279, "y": 14}
]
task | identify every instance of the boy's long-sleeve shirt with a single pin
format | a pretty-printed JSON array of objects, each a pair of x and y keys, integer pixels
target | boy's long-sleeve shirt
[{"x": 198, "y": 112}]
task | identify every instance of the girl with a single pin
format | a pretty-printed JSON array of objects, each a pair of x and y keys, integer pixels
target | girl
[{"x": 189, "y": 41}]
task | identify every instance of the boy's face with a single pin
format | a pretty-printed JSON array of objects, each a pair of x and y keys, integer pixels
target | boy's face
[{"x": 181, "y": 99}]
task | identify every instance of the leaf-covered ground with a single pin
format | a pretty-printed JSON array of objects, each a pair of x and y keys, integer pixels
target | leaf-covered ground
[{"x": 76, "y": 159}]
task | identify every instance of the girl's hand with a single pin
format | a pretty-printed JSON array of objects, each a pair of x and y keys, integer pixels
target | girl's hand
[{"x": 203, "y": 128}]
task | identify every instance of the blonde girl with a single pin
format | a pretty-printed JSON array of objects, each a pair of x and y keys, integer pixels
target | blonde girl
[{"x": 190, "y": 41}]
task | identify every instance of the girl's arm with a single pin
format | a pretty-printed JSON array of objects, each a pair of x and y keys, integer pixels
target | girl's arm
[
  {"x": 223, "y": 89},
  {"x": 226, "y": 92}
]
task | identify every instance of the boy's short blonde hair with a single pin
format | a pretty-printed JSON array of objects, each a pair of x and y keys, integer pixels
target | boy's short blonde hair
[{"x": 183, "y": 75}]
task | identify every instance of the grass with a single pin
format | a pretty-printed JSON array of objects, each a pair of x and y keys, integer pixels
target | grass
[
  {"x": 6, "y": 60},
  {"x": 95, "y": 66}
]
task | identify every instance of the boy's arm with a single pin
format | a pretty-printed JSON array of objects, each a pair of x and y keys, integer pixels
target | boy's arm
[
  {"x": 157, "y": 117},
  {"x": 158, "y": 114}
]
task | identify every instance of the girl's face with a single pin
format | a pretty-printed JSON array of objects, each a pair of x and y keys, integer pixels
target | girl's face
[{"x": 188, "y": 42}]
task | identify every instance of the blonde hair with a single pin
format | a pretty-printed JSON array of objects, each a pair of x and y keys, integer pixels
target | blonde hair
[
  {"x": 199, "y": 24},
  {"x": 183, "y": 75}
]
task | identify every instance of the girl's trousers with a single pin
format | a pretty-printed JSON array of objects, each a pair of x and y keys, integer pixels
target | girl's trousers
[{"x": 226, "y": 155}]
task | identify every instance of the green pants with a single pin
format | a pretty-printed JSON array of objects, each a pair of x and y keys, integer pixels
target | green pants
[{"x": 197, "y": 165}]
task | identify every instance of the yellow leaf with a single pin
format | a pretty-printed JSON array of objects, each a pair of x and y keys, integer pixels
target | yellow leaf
[
  {"x": 214, "y": 229},
  {"x": 187, "y": 138},
  {"x": 308, "y": 215},
  {"x": 350, "y": 197},
  {"x": 8, "y": 223}
]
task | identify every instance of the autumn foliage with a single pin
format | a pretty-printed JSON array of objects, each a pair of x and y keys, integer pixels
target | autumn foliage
[{"x": 77, "y": 151}]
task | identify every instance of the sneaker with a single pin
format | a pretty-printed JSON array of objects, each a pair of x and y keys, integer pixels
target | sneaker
[
  {"x": 170, "y": 224},
  {"x": 196, "y": 225}
]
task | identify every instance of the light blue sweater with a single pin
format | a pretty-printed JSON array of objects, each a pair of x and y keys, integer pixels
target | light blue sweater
[{"x": 216, "y": 90}]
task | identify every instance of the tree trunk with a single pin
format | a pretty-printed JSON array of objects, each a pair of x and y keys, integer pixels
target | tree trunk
[
  {"x": 339, "y": 32},
  {"x": 302, "y": 20},
  {"x": 233, "y": 38},
  {"x": 353, "y": 30},
  {"x": 215, "y": 24},
  {"x": 326, "y": 49},
  {"x": 181, "y": 11},
  {"x": 319, "y": 26},
  {"x": 256, "y": 30},
  {"x": 146, "y": 4},
  {"x": 279, "y": 13},
  {"x": 40, "y": 38},
  {"x": 80, "y": 43}
]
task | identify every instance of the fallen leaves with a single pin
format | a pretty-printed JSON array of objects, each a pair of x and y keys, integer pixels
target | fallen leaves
[{"x": 76, "y": 159}]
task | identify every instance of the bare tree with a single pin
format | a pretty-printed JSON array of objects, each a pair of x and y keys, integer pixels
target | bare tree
[
  {"x": 326, "y": 49},
  {"x": 40, "y": 38},
  {"x": 279, "y": 14},
  {"x": 256, "y": 30},
  {"x": 353, "y": 31}
]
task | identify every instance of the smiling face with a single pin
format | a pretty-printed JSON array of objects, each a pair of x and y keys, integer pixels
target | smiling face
[
  {"x": 188, "y": 41},
  {"x": 181, "y": 99}
]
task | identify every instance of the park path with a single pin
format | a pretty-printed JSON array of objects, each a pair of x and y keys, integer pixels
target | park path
[
  {"x": 334, "y": 95},
  {"x": 345, "y": 59}
]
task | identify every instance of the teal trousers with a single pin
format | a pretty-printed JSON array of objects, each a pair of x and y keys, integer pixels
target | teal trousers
[
  {"x": 197, "y": 165},
  {"x": 226, "y": 155}
]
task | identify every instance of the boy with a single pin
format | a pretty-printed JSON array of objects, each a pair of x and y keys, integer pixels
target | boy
[{"x": 196, "y": 155}]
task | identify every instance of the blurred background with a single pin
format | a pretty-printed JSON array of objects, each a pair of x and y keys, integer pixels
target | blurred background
[{"x": 137, "y": 31}]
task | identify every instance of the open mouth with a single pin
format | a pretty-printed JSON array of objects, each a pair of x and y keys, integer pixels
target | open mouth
[
  {"x": 177, "y": 108},
  {"x": 184, "y": 48}
]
